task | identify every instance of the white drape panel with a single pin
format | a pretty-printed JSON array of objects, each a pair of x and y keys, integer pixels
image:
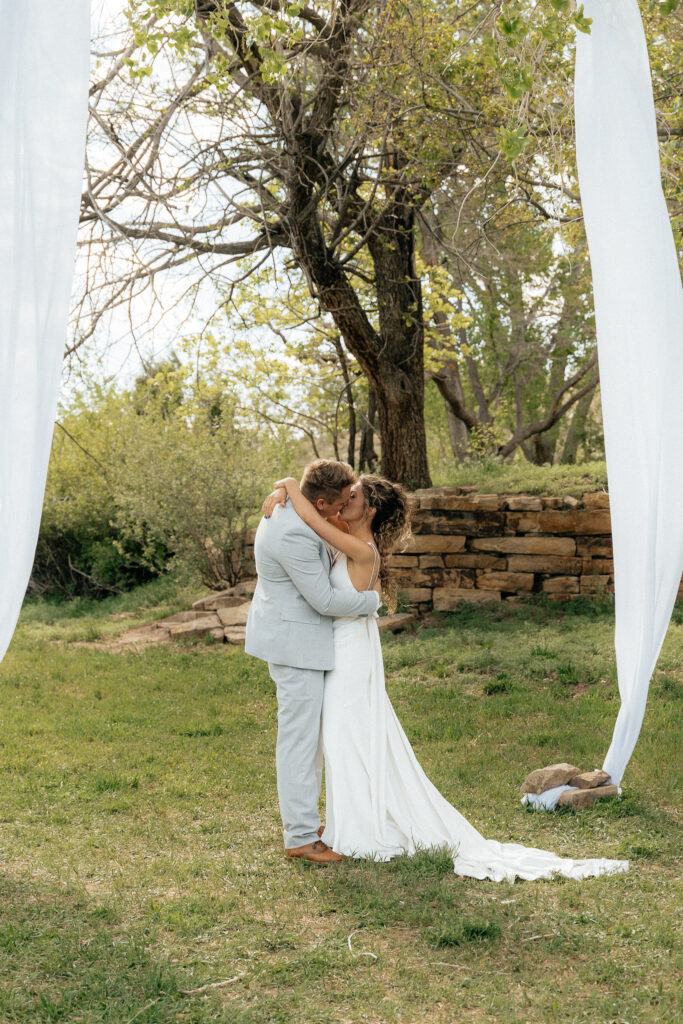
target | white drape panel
[
  {"x": 44, "y": 63},
  {"x": 639, "y": 321}
]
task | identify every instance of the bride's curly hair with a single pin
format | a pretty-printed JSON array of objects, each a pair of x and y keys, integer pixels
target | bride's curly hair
[{"x": 390, "y": 525}]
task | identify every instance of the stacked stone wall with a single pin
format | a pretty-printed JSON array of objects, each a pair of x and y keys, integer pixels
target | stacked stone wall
[
  {"x": 498, "y": 547},
  {"x": 502, "y": 547}
]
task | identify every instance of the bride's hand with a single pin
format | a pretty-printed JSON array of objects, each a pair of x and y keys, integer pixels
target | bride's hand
[
  {"x": 284, "y": 482},
  {"x": 276, "y": 497}
]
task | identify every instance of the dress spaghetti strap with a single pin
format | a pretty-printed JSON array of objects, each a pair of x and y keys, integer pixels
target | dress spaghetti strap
[{"x": 375, "y": 566}]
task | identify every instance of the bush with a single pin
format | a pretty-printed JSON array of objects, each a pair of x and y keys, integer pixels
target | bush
[{"x": 164, "y": 474}]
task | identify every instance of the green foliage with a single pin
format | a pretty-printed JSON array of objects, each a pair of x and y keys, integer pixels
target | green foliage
[{"x": 165, "y": 473}]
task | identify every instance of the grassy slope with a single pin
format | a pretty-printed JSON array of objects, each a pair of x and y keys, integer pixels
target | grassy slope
[
  {"x": 495, "y": 476},
  {"x": 141, "y": 853}
]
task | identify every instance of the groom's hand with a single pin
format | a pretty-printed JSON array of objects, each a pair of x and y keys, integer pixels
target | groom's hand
[{"x": 276, "y": 497}]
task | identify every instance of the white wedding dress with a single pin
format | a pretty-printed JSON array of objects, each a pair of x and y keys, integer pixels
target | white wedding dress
[{"x": 379, "y": 801}]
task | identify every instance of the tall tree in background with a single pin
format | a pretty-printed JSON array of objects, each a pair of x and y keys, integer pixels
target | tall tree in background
[{"x": 327, "y": 131}]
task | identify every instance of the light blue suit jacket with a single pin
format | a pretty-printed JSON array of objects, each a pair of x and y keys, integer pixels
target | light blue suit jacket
[{"x": 290, "y": 619}]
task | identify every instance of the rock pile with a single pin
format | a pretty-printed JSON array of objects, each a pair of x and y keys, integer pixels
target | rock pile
[
  {"x": 222, "y": 617},
  {"x": 588, "y": 786}
]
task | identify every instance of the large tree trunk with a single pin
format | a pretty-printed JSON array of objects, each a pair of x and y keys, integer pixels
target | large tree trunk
[
  {"x": 348, "y": 399},
  {"x": 399, "y": 387},
  {"x": 392, "y": 359},
  {"x": 448, "y": 381},
  {"x": 367, "y": 456},
  {"x": 577, "y": 428}
]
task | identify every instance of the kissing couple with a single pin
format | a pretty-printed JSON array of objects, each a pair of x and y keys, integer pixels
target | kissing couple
[{"x": 322, "y": 555}]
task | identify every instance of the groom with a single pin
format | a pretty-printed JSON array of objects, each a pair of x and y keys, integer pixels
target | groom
[{"x": 290, "y": 627}]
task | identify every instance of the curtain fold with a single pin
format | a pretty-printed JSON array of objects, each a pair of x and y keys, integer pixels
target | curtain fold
[{"x": 44, "y": 67}]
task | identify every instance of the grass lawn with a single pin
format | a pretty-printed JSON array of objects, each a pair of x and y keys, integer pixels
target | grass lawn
[
  {"x": 499, "y": 476},
  {"x": 141, "y": 851}
]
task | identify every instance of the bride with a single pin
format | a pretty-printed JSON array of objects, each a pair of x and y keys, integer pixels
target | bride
[{"x": 379, "y": 802}]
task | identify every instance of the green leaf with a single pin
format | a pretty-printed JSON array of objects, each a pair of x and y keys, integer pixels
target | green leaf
[
  {"x": 511, "y": 142},
  {"x": 582, "y": 22}
]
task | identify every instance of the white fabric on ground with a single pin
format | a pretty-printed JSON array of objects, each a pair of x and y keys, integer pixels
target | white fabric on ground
[
  {"x": 379, "y": 802},
  {"x": 639, "y": 320},
  {"x": 44, "y": 64}
]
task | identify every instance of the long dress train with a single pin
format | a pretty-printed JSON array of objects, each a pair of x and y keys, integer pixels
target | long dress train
[{"x": 379, "y": 802}]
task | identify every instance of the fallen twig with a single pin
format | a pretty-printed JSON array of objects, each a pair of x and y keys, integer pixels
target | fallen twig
[
  {"x": 142, "y": 1009},
  {"x": 211, "y": 984}
]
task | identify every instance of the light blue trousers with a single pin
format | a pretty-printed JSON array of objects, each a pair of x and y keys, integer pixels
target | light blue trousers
[{"x": 298, "y": 755}]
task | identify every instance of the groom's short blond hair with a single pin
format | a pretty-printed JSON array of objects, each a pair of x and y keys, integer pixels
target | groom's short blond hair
[{"x": 326, "y": 478}]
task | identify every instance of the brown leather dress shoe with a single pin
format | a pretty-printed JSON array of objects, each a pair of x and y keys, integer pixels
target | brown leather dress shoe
[{"x": 316, "y": 853}]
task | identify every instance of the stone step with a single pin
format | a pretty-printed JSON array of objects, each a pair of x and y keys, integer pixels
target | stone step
[{"x": 577, "y": 798}]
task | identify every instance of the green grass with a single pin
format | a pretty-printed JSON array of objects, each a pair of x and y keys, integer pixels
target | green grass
[
  {"x": 141, "y": 851},
  {"x": 497, "y": 476}
]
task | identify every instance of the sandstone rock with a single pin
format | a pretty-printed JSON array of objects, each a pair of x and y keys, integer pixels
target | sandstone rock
[
  {"x": 431, "y": 562},
  {"x": 477, "y": 523},
  {"x": 578, "y": 521},
  {"x": 234, "y": 616},
  {"x": 595, "y": 584},
  {"x": 189, "y": 616},
  {"x": 547, "y": 778},
  {"x": 426, "y": 494},
  {"x": 545, "y": 563},
  {"x": 526, "y": 545},
  {"x": 596, "y": 499},
  {"x": 589, "y": 780},
  {"x": 414, "y": 577},
  {"x": 235, "y": 634},
  {"x": 395, "y": 623},
  {"x": 461, "y": 503},
  {"x": 245, "y": 588},
  {"x": 475, "y": 561},
  {"x": 487, "y": 501},
  {"x": 552, "y": 502},
  {"x": 466, "y": 578},
  {"x": 223, "y": 599},
  {"x": 577, "y": 798},
  {"x": 524, "y": 503},
  {"x": 414, "y": 595},
  {"x": 196, "y": 628},
  {"x": 431, "y": 544},
  {"x": 218, "y": 634},
  {"x": 446, "y": 599},
  {"x": 404, "y": 561},
  {"x": 561, "y": 585},
  {"x": 145, "y": 635},
  {"x": 594, "y": 547},
  {"x": 524, "y": 522},
  {"x": 570, "y": 502},
  {"x": 513, "y": 581}
]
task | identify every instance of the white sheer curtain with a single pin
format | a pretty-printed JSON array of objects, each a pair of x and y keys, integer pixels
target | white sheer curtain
[
  {"x": 639, "y": 320},
  {"x": 44, "y": 60}
]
